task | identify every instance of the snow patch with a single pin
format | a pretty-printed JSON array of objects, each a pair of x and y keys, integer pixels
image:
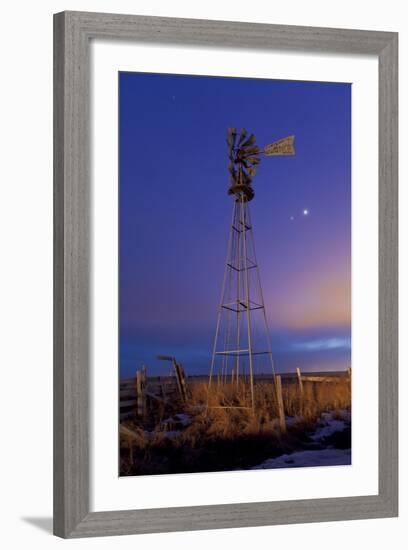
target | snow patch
[
  {"x": 183, "y": 418},
  {"x": 322, "y": 457},
  {"x": 293, "y": 420},
  {"x": 329, "y": 424},
  {"x": 176, "y": 422}
]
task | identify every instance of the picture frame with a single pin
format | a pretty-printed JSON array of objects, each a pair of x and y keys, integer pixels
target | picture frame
[{"x": 73, "y": 32}]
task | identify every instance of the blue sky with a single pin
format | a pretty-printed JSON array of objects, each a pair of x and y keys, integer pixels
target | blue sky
[{"x": 175, "y": 216}]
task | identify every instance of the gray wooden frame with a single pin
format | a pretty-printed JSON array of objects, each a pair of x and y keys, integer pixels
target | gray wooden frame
[{"x": 72, "y": 34}]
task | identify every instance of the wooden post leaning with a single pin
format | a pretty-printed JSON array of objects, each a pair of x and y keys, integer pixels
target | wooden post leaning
[{"x": 181, "y": 381}]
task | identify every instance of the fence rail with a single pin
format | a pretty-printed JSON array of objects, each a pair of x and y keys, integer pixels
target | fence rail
[{"x": 136, "y": 393}]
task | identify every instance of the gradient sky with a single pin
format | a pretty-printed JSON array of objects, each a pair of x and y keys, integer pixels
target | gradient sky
[{"x": 175, "y": 216}]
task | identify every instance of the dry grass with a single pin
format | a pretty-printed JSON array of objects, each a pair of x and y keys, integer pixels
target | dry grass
[
  {"x": 317, "y": 397},
  {"x": 228, "y": 438}
]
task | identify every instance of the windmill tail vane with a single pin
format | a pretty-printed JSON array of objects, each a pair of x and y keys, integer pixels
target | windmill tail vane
[{"x": 245, "y": 156}]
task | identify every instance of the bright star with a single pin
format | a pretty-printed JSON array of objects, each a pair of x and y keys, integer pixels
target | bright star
[{"x": 305, "y": 212}]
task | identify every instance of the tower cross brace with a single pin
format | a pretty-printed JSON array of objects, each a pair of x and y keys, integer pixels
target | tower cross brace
[{"x": 234, "y": 348}]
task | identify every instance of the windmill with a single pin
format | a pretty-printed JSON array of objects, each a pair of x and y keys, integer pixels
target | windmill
[{"x": 237, "y": 345}]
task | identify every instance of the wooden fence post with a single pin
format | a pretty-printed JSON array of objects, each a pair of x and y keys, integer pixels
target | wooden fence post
[
  {"x": 161, "y": 385},
  {"x": 141, "y": 391},
  {"x": 181, "y": 381},
  {"x": 300, "y": 381},
  {"x": 282, "y": 421},
  {"x": 349, "y": 373}
]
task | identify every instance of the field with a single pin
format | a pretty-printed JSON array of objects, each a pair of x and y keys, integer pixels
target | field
[{"x": 167, "y": 434}]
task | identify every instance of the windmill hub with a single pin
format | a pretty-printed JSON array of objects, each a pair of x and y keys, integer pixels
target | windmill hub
[
  {"x": 244, "y": 157},
  {"x": 242, "y": 192}
]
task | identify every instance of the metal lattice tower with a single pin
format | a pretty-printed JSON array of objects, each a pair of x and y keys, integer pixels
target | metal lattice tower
[{"x": 242, "y": 343}]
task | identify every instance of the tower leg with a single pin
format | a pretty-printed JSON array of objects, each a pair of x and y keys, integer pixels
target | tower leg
[
  {"x": 238, "y": 263},
  {"x": 221, "y": 302},
  {"x": 247, "y": 303},
  {"x": 268, "y": 335}
]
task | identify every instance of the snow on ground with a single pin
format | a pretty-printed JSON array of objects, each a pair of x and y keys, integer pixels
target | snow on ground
[
  {"x": 183, "y": 418},
  {"x": 293, "y": 420},
  {"x": 176, "y": 422},
  {"x": 172, "y": 427},
  {"x": 330, "y": 424},
  {"x": 327, "y": 425},
  {"x": 321, "y": 457}
]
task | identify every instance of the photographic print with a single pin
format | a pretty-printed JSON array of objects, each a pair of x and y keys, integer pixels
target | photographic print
[{"x": 234, "y": 274}]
